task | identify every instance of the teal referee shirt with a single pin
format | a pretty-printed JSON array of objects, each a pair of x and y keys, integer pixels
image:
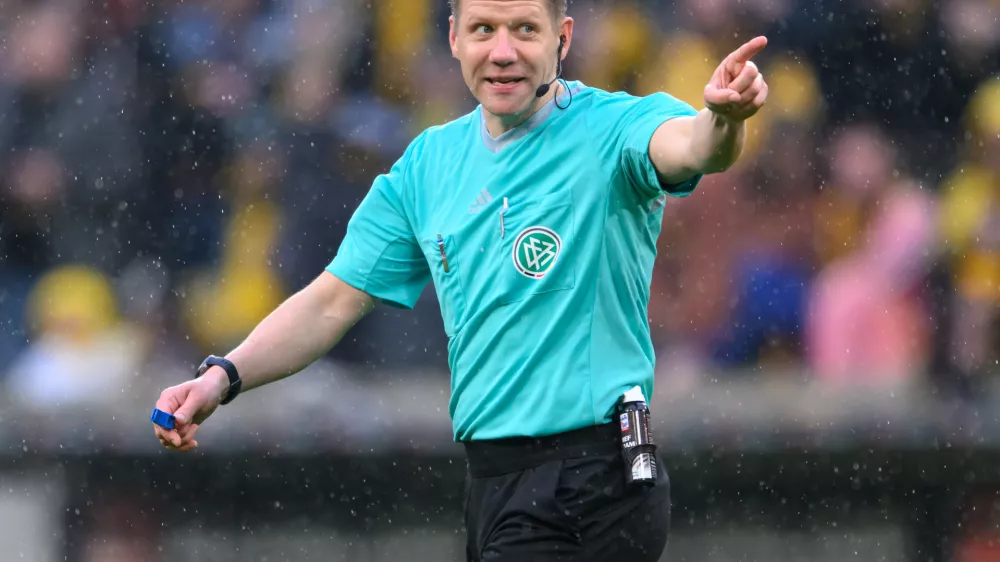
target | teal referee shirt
[{"x": 540, "y": 245}]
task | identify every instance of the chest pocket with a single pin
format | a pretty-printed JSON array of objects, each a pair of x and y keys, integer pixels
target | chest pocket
[
  {"x": 446, "y": 269},
  {"x": 537, "y": 248}
]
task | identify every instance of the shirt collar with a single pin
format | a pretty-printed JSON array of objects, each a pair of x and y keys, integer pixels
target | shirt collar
[{"x": 496, "y": 144}]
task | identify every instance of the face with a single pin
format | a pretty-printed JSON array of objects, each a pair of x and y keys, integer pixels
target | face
[{"x": 507, "y": 49}]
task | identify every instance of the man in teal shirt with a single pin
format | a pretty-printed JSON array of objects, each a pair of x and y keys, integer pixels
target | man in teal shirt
[
  {"x": 540, "y": 243},
  {"x": 536, "y": 218}
]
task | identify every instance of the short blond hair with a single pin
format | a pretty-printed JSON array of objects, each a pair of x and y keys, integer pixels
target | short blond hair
[{"x": 557, "y": 7}]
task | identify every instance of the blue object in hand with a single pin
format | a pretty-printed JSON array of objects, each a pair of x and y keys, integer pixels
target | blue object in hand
[{"x": 162, "y": 419}]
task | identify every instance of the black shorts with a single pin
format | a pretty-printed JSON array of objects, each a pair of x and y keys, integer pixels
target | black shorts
[{"x": 561, "y": 498}]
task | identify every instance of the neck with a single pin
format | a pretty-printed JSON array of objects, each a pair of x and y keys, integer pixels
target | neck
[{"x": 500, "y": 124}]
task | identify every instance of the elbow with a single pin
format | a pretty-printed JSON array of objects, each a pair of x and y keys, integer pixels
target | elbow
[
  {"x": 714, "y": 167},
  {"x": 722, "y": 158},
  {"x": 719, "y": 145},
  {"x": 718, "y": 166}
]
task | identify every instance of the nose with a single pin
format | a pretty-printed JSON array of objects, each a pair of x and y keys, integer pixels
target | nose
[{"x": 503, "y": 52}]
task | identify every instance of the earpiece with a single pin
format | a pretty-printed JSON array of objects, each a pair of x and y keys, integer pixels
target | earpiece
[{"x": 544, "y": 88}]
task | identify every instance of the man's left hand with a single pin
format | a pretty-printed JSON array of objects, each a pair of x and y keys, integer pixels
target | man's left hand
[{"x": 737, "y": 89}]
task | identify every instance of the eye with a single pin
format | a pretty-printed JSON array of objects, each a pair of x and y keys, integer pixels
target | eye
[
  {"x": 527, "y": 28},
  {"x": 484, "y": 29}
]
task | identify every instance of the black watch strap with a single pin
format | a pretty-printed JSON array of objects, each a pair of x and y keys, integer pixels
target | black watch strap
[{"x": 234, "y": 376}]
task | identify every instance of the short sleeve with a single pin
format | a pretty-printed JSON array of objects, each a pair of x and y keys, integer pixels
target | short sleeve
[
  {"x": 626, "y": 124},
  {"x": 380, "y": 254}
]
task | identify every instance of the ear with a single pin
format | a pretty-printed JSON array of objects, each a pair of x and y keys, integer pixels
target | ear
[
  {"x": 452, "y": 36},
  {"x": 566, "y": 30}
]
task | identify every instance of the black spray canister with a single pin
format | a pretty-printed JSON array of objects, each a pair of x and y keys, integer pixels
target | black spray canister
[{"x": 637, "y": 444}]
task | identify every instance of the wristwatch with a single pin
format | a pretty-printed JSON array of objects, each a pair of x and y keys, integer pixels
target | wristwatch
[{"x": 234, "y": 376}]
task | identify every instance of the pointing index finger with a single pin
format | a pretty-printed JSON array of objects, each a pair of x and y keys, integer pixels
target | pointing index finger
[{"x": 749, "y": 49}]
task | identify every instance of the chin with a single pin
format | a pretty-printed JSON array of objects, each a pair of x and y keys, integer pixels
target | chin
[{"x": 508, "y": 107}]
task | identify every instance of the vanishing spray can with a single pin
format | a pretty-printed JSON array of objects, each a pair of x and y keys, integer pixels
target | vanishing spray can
[{"x": 637, "y": 445}]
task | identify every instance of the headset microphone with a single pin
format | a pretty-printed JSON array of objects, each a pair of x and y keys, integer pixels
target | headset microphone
[{"x": 544, "y": 88}]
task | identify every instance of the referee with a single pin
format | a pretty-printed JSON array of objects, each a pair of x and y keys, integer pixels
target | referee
[{"x": 536, "y": 218}]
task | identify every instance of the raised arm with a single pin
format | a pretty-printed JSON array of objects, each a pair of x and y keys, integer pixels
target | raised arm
[{"x": 713, "y": 140}]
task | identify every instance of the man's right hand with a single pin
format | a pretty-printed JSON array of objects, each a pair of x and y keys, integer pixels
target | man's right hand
[
  {"x": 191, "y": 403},
  {"x": 298, "y": 332}
]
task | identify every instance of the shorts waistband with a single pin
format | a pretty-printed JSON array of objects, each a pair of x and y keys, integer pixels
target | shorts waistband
[{"x": 502, "y": 456}]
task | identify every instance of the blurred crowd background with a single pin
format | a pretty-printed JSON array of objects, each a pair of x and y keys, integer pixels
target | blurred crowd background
[{"x": 171, "y": 170}]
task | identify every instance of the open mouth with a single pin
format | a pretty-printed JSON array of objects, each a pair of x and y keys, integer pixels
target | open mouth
[{"x": 504, "y": 81}]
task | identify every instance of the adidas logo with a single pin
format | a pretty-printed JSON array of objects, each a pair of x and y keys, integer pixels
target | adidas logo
[{"x": 481, "y": 202}]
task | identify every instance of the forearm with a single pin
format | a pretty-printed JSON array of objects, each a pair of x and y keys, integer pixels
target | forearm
[
  {"x": 297, "y": 333},
  {"x": 684, "y": 147},
  {"x": 716, "y": 142}
]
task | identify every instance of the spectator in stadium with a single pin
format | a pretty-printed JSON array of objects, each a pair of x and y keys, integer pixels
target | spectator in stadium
[
  {"x": 970, "y": 236},
  {"x": 82, "y": 350},
  {"x": 867, "y": 319}
]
